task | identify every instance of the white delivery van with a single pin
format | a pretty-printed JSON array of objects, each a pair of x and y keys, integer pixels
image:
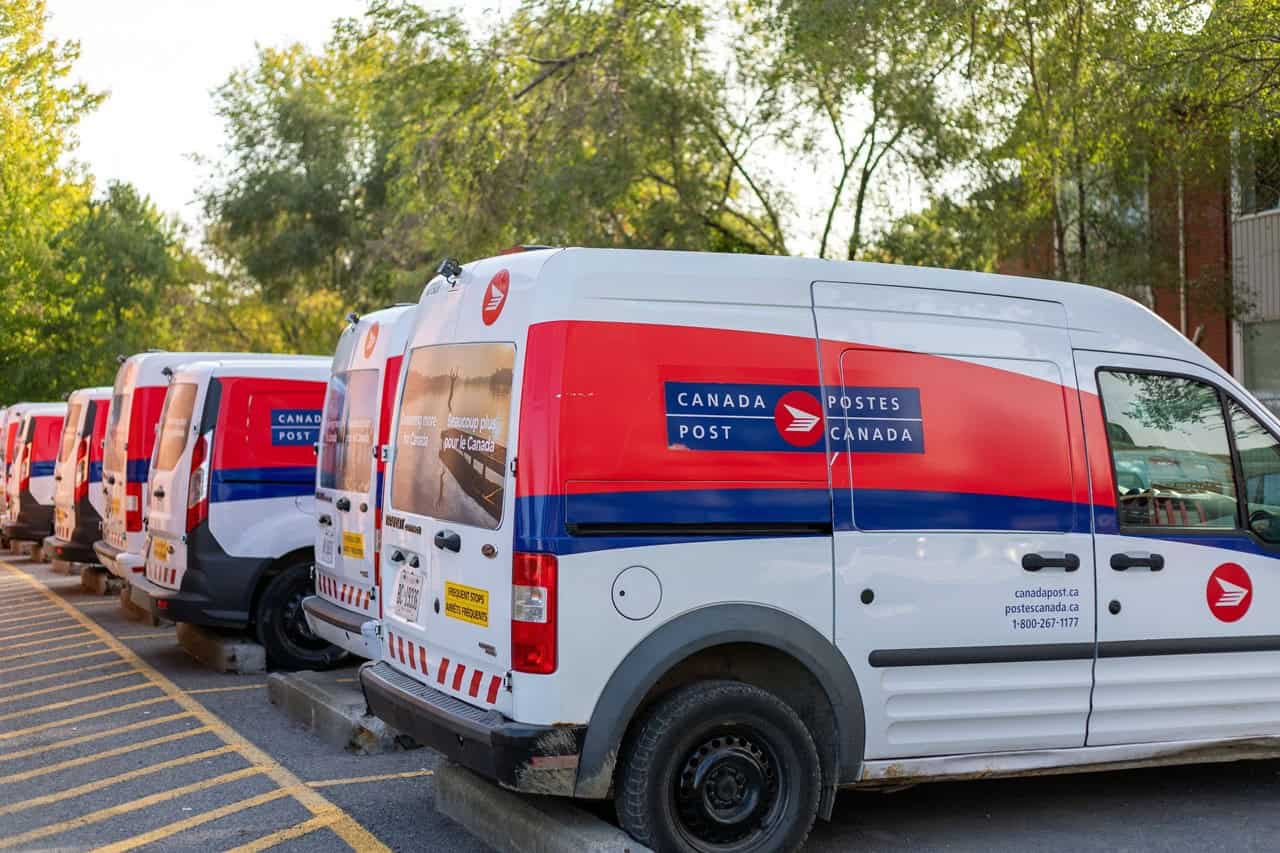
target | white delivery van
[
  {"x": 349, "y": 477},
  {"x": 137, "y": 397},
  {"x": 231, "y": 506},
  {"x": 715, "y": 535},
  {"x": 78, "y": 500},
  {"x": 30, "y": 485},
  {"x": 10, "y": 417}
]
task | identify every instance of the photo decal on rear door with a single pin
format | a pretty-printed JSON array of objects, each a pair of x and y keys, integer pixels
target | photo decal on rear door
[{"x": 451, "y": 444}]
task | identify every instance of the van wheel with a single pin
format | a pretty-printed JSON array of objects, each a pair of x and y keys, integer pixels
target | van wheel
[
  {"x": 282, "y": 626},
  {"x": 720, "y": 766}
]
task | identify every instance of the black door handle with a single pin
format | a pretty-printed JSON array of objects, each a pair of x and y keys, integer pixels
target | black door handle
[
  {"x": 324, "y": 520},
  {"x": 57, "y": 478},
  {"x": 159, "y": 492},
  {"x": 1123, "y": 562},
  {"x": 343, "y": 504},
  {"x": 447, "y": 540},
  {"x": 1036, "y": 562}
]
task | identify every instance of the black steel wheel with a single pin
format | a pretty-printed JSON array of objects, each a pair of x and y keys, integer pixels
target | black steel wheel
[
  {"x": 282, "y": 625},
  {"x": 720, "y": 767}
]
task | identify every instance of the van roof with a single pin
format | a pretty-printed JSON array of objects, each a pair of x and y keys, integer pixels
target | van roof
[
  {"x": 588, "y": 280},
  {"x": 302, "y": 366},
  {"x": 100, "y": 392}
]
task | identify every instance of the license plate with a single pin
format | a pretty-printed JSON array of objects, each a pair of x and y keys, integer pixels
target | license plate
[
  {"x": 327, "y": 548},
  {"x": 353, "y": 545},
  {"x": 408, "y": 595},
  {"x": 161, "y": 549},
  {"x": 466, "y": 604}
]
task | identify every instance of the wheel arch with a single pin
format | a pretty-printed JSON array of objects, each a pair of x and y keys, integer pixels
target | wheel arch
[
  {"x": 269, "y": 569},
  {"x": 639, "y": 679}
]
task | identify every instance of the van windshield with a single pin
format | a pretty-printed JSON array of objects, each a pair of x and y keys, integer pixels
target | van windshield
[
  {"x": 451, "y": 441},
  {"x": 175, "y": 424},
  {"x": 70, "y": 432},
  {"x": 346, "y": 441}
]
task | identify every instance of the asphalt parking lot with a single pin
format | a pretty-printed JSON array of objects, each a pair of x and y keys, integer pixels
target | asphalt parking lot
[{"x": 112, "y": 738}]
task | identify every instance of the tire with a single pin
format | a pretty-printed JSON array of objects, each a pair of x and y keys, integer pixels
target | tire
[
  {"x": 282, "y": 627},
  {"x": 719, "y": 766}
]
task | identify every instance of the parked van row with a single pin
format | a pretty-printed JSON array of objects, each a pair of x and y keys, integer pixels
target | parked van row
[{"x": 715, "y": 536}]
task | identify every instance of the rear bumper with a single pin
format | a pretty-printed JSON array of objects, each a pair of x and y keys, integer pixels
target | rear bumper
[
  {"x": 345, "y": 628},
  {"x": 121, "y": 563},
  {"x": 71, "y": 552},
  {"x": 178, "y": 605},
  {"x": 34, "y": 522},
  {"x": 533, "y": 759}
]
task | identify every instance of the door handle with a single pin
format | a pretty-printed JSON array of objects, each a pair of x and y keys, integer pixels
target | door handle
[
  {"x": 324, "y": 520},
  {"x": 1050, "y": 560},
  {"x": 57, "y": 478},
  {"x": 447, "y": 540},
  {"x": 1134, "y": 559},
  {"x": 343, "y": 504},
  {"x": 158, "y": 492}
]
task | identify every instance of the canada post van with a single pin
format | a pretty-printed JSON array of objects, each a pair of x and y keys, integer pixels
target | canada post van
[
  {"x": 30, "y": 484},
  {"x": 349, "y": 479},
  {"x": 715, "y": 535},
  {"x": 77, "y": 479},
  {"x": 230, "y": 517},
  {"x": 137, "y": 397},
  {"x": 9, "y": 421}
]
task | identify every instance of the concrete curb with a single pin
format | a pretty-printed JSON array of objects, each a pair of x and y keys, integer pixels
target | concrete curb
[
  {"x": 222, "y": 653},
  {"x": 334, "y": 710},
  {"x": 518, "y": 823},
  {"x": 96, "y": 580}
]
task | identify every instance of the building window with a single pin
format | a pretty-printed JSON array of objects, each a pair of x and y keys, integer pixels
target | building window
[{"x": 1262, "y": 362}]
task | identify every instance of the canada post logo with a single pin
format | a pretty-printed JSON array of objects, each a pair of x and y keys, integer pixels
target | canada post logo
[
  {"x": 731, "y": 416},
  {"x": 290, "y": 427}
]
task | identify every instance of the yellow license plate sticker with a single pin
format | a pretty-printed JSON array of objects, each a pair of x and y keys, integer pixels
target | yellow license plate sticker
[
  {"x": 161, "y": 549},
  {"x": 466, "y": 603},
  {"x": 353, "y": 545},
  {"x": 115, "y": 506}
]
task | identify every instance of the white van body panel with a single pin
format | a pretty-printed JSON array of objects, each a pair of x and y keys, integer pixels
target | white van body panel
[
  {"x": 891, "y": 585},
  {"x": 42, "y": 485},
  {"x": 65, "y": 473}
]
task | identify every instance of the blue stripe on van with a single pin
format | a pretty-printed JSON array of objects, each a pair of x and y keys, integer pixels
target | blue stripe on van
[
  {"x": 244, "y": 484},
  {"x": 42, "y": 469},
  {"x": 882, "y": 509},
  {"x": 95, "y": 472},
  {"x": 136, "y": 470}
]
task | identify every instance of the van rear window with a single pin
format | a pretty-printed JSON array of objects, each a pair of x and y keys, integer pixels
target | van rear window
[
  {"x": 175, "y": 424},
  {"x": 70, "y": 432},
  {"x": 114, "y": 457},
  {"x": 451, "y": 440},
  {"x": 346, "y": 441}
]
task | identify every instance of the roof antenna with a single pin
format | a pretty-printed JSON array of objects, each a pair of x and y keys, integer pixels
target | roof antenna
[
  {"x": 121, "y": 358},
  {"x": 450, "y": 269},
  {"x": 353, "y": 318}
]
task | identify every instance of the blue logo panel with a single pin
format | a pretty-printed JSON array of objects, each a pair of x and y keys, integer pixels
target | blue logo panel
[
  {"x": 748, "y": 417},
  {"x": 295, "y": 427}
]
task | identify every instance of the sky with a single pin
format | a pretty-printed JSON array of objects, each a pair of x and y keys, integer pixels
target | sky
[{"x": 159, "y": 61}]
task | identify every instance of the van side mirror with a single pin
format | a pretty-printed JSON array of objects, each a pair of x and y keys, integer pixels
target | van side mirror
[{"x": 1264, "y": 525}]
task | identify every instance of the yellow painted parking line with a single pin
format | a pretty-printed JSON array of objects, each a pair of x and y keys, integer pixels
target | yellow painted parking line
[
  {"x": 48, "y": 610},
  {"x": 76, "y": 741},
  {"x": 43, "y": 691},
  {"x": 26, "y": 635},
  {"x": 169, "y": 634},
  {"x": 44, "y": 727},
  {"x": 65, "y": 648},
  {"x": 79, "y": 700},
  {"x": 77, "y": 671},
  {"x": 346, "y": 828},
  {"x": 163, "y": 832},
  {"x": 381, "y": 777},
  {"x": 227, "y": 689},
  {"x": 77, "y": 633},
  {"x": 288, "y": 834},
  {"x": 98, "y": 756},
  {"x": 99, "y": 784},
  {"x": 124, "y": 808},
  {"x": 9, "y": 669},
  {"x": 99, "y": 603}
]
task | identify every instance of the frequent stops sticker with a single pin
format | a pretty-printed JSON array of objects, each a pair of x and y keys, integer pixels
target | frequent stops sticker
[
  {"x": 1229, "y": 592},
  {"x": 495, "y": 297}
]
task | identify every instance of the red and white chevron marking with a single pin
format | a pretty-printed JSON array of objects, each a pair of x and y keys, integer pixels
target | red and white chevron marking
[
  {"x": 166, "y": 577},
  {"x": 348, "y": 595},
  {"x": 444, "y": 674}
]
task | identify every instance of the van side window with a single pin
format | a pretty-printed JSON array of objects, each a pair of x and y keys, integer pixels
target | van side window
[
  {"x": 1169, "y": 451},
  {"x": 1259, "y": 472}
]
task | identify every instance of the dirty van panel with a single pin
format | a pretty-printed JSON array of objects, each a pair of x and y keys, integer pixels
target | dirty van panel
[
  {"x": 449, "y": 482},
  {"x": 169, "y": 480}
]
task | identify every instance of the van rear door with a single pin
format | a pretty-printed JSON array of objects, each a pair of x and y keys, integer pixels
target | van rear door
[
  {"x": 64, "y": 477},
  {"x": 169, "y": 481},
  {"x": 447, "y": 532}
]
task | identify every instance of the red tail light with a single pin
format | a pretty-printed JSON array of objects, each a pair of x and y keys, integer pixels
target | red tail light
[
  {"x": 198, "y": 485},
  {"x": 533, "y": 613},
  {"x": 132, "y": 506},
  {"x": 82, "y": 469}
]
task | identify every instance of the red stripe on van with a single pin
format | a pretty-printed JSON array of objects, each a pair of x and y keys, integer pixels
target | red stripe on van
[
  {"x": 401, "y": 648},
  {"x": 412, "y": 665},
  {"x": 444, "y": 668},
  {"x": 422, "y": 656},
  {"x": 458, "y": 672},
  {"x": 494, "y": 683},
  {"x": 476, "y": 677}
]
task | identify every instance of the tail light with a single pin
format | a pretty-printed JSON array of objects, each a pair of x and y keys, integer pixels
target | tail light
[
  {"x": 132, "y": 506},
  {"x": 198, "y": 485},
  {"x": 533, "y": 613},
  {"x": 82, "y": 469}
]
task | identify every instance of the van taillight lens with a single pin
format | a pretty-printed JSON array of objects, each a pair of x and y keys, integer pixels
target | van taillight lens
[
  {"x": 533, "y": 613},
  {"x": 132, "y": 506},
  {"x": 198, "y": 485},
  {"x": 82, "y": 469}
]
